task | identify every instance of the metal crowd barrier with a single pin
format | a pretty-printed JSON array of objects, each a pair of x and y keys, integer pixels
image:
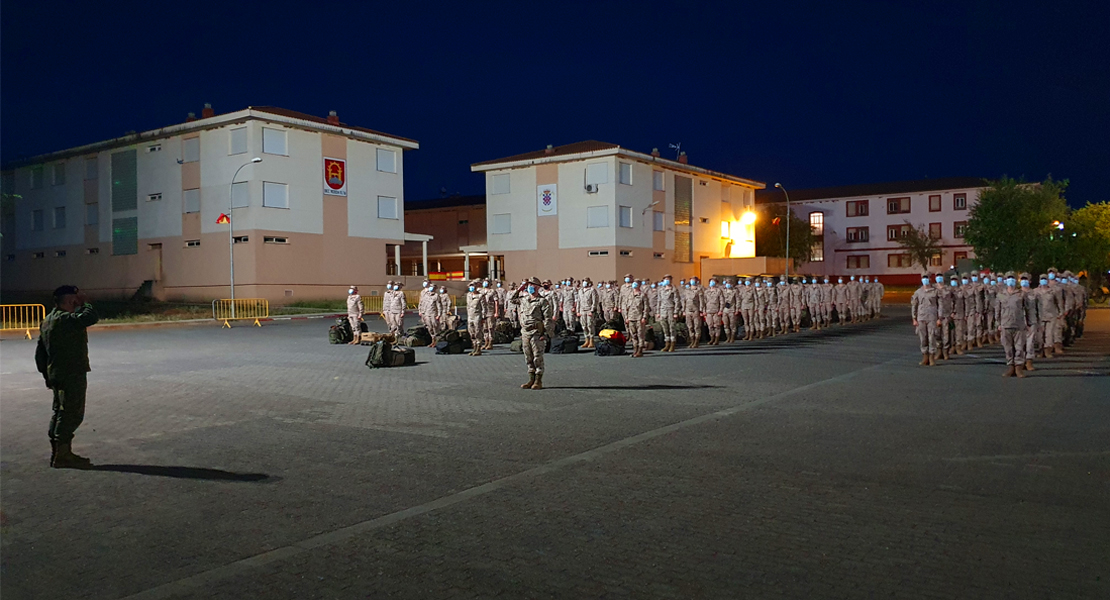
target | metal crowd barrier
[
  {"x": 240, "y": 309},
  {"x": 22, "y": 316}
]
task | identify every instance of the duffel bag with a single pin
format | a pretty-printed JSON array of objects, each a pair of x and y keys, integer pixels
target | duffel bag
[{"x": 381, "y": 355}]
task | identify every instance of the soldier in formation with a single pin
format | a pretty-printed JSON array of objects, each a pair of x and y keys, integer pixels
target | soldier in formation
[
  {"x": 430, "y": 310},
  {"x": 393, "y": 308},
  {"x": 476, "y": 302},
  {"x": 535, "y": 313},
  {"x": 354, "y": 312}
]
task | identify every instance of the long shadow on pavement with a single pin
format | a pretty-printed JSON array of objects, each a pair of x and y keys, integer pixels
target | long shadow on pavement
[
  {"x": 185, "y": 472},
  {"x": 654, "y": 386}
]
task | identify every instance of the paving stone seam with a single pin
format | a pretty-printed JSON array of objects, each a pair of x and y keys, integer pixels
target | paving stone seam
[{"x": 211, "y": 576}]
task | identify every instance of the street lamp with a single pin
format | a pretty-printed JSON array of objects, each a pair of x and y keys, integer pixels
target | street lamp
[
  {"x": 779, "y": 185},
  {"x": 231, "y": 229}
]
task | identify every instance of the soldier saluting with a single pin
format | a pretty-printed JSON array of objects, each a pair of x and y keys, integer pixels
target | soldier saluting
[{"x": 62, "y": 356}]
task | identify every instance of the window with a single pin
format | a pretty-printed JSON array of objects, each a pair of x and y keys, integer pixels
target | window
[
  {"x": 125, "y": 236},
  {"x": 859, "y": 261},
  {"x": 626, "y": 253},
  {"x": 36, "y": 177},
  {"x": 958, "y": 229},
  {"x": 60, "y": 173},
  {"x": 657, "y": 221},
  {"x": 387, "y": 207},
  {"x": 683, "y": 247},
  {"x": 59, "y": 254},
  {"x": 958, "y": 256},
  {"x": 124, "y": 180},
  {"x": 36, "y": 220},
  {"x": 154, "y": 246},
  {"x": 500, "y": 183},
  {"x": 241, "y": 239},
  {"x": 192, "y": 243},
  {"x": 704, "y": 220},
  {"x": 190, "y": 149},
  {"x": 38, "y": 255},
  {"x": 934, "y": 203},
  {"x": 387, "y": 160},
  {"x": 59, "y": 217},
  {"x": 896, "y": 206},
  {"x": 238, "y": 141},
  {"x": 92, "y": 213},
  {"x": 276, "y": 195},
  {"x": 154, "y": 197},
  {"x": 240, "y": 194},
  {"x": 625, "y": 173},
  {"x": 657, "y": 181},
  {"x": 273, "y": 141},
  {"x": 899, "y": 261},
  {"x": 858, "y": 234},
  {"x": 599, "y": 253},
  {"x": 597, "y": 216},
  {"x": 959, "y": 201},
  {"x": 817, "y": 252},
  {"x": 625, "y": 216},
  {"x": 270, "y": 239},
  {"x": 858, "y": 208},
  {"x": 153, "y": 148},
  {"x": 92, "y": 250},
  {"x": 817, "y": 222},
  {"x": 657, "y": 255},
  {"x": 897, "y": 232},
  {"x": 501, "y": 224},
  {"x": 935, "y": 231},
  {"x": 935, "y": 260},
  {"x": 92, "y": 168},
  {"x": 190, "y": 200},
  {"x": 597, "y": 173}
]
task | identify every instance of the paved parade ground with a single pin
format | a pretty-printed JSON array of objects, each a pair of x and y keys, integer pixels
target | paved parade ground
[{"x": 265, "y": 463}]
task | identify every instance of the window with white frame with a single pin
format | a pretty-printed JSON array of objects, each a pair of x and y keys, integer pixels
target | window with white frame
[
  {"x": 190, "y": 201},
  {"x": 59, "y": 217},
  {"x": 625, "y": 173},
  {"x": 190, "y": 149},
  {"x": 597, "y": 216},
  {"x": 597, "y": 173},
  {"x": 238, "y": 141},
  {"x": 499, "y": 184},
  {"x": 625, "y": 216},
  {"x": 275, "y": 195},
  {"x": 959, "y": 201},
  {"x": 817, "y": 252},
  {"x": 36, "y": 177},
  {"x": 274, "y": 142},
  {"x": 92, "y": 168},
  {"x": 60, "y": 173},
  {"x": 657, "y": 221},
  {"x": 387, "y": 207},
  {"x": 36, "y": 220},
  {"x": 817, "y": 222},
  {"x": 387, "y": 161},
  {"x": 92, "y": 213},
  {"x": 155, "y": 197},
  {"x": 501, "y": 224},
  {"x": 657, "y": 181},
  {"x": 240, "y": 194}
]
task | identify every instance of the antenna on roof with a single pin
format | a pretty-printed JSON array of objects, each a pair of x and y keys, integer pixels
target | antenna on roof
[{"x": 677, "y": 149}]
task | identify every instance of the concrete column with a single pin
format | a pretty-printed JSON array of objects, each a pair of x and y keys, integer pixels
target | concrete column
[
  {"x": 425, "y": 250},
  {"x": 466, "y": 267},
  {"x": 397, "y": 258}
]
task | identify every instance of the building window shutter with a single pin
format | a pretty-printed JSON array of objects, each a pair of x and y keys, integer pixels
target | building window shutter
[
  {"x": 190, "y": 200},
  {"x": 275, "y": 195},
  {"x": 240, "y": 194},
  {"x": 500, "y": 183},
  {"x": 125, "y": 236},
  {"x": 239, "y": 140},
  {"x": 387, "y": 207},
  {"x": 387, "y": 161},
  {"x": 597, "y": 173},
  {"x": 190, "y": 149},
  {"x": 626, "y": 216},
  {"x": 92, "y": 214},
  {"x": 597, "y": 216},
  {"x": 501, "y": 224},
  {"x": 273, "y": 141},
  {"x": 625, "y": 173},
  {"x": 125, "y": 192},
  {"x": 657, "y": 221}
]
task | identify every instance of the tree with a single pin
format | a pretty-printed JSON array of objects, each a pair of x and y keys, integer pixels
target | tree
[
  {"x": 1011, "y": 227},
  {"x": 770, "y": 234},
  {"x": 1086, "y": 236},
  {"x": 920, "y": 245}
]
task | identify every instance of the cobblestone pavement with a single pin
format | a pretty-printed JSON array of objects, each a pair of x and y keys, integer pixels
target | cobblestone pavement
[{"x": 264, "y": 463}]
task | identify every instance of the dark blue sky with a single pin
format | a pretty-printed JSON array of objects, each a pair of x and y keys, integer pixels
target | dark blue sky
[{"x": 808, "y": 93}]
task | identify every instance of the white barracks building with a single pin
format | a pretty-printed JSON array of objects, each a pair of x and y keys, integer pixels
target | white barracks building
[
  {"x": 594, "y": 209},
  {"x": 140, "y": 212}
]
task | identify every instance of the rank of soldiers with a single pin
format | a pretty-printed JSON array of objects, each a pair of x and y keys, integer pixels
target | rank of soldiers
[{"x": 955, "y": 313}]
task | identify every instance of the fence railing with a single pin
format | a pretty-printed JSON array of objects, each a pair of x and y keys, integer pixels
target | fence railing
[
  {"x": 21, "y": 316},
  {"x": 240, "y": 309}
]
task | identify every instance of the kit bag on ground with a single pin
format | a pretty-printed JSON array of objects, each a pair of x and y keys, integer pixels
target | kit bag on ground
[
  {"x": 681, "y": 333},
  {"x": 403, "y": 356},
  {"x": 464, "y": 339},
  {"x": 421, "y": 335},
  {"x": 447, "y": 335},
  {"x": 617, "y": 323},
  {"x": 564, "y": 344},
  {"x": 340, "y": 333},
  {"x": 445, "y": 347},
  {"x": 612, "y": 334},
  {"x": 381, "y": 355},
  {"x": 608, "y": 348},
  {"x": 362, "y": 326},
  {"x": 516, "y": 346}
]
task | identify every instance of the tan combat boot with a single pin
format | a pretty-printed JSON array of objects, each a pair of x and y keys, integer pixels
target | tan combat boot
[
  {"x": 1058, "y": 349},
  {"x": 477, "y": 351},
  {"x": 1029, "y": 365},
  {"x": 531, "y": 380},
  {"x": 64, "y": 458},
  {"x": 1009, "y": 371},
  {"x": 932, "y": 360},
  {"x": 924, "y": 360},
  {"x": 1019, "y": 372},
  {"x": 539, "y": 382}
]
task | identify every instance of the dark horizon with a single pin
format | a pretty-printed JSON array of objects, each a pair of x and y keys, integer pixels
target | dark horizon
[{"x": 810, "y": 96}]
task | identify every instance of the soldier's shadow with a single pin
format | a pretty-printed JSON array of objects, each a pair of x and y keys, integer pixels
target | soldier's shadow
[
  {"x": 186, "y": 473},
  {"x": 653, "y": 386}
]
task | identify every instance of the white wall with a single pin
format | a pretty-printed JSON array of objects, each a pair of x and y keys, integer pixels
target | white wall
[
  {"x": 520, "y": 202},
  {"x": 574, "y": 201},
  {"x": 364, "y": 186},
  {"x": 638, "y": 196},
  {"x": 158, "y": 172},
  {"x": 70, "y": 195}
]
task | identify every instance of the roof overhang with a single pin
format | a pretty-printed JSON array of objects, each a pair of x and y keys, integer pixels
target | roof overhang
[{"x": 418, "y": 237}]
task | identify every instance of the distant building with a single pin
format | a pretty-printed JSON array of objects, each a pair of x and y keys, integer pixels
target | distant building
[
  {"x": 457, "y": 225},
  {"x": 599, "y": 210},
  {"x": 141, "y": 211},
  {"x": 858, "y": 226}
]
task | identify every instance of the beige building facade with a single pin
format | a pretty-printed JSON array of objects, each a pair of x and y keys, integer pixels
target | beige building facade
[
  {"x": 143, "y": 212},
  {"x": 594, "y": 209}
]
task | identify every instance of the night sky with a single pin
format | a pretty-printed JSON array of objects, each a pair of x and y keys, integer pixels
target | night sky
[{"x": 811, "y": 94}]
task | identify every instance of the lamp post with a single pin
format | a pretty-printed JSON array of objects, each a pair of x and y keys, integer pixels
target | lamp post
[
  {"x": 788, "y": 214},
  {"x": 231, "y": 229}
]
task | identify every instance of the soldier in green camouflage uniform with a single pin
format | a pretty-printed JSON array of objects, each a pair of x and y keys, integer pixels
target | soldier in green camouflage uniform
[{"x": 62, "y": 356}]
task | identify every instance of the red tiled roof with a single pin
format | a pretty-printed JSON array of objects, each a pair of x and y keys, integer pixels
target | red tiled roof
[
  {"x": 575, "y": 148},
  {"x": 772, "y": 194},
  {"x": 284, "y": 112}
]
